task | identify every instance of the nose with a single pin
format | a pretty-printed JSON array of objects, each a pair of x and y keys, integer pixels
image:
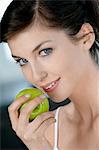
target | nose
[
  {"x": 38, "y": 74},
  {"x": 43, "y": 76}
]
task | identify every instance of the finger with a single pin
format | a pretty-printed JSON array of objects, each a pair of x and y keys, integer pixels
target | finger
[
  {"x": 45, "y": 125},
  {"x": 26, "y": 111},
  {"x": 39, "y": 123},
  {"x": 41, "y": 130},
  {"x": 13, "y": 110}
]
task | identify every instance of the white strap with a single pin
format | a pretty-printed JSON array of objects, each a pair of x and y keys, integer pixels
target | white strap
[
  {"x": 56, "y": 130},
  {"x": 3, "y": 6}
]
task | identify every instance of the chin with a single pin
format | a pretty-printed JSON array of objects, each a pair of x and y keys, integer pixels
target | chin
[{"x": 58, "y": 99}]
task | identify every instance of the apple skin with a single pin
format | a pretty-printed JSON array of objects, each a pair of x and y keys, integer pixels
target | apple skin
[{"x": 41, "y": 108}]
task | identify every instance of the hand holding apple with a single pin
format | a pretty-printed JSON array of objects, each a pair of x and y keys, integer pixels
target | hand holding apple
[{"x": 34, "y": 92}]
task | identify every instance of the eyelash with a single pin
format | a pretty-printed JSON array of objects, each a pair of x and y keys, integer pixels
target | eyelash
[
  {"x": 49, "y": 50},
  {"x": 24, "y": 61}
]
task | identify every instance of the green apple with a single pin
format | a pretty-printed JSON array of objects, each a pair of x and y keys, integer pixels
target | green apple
[{"x": 34, "y": 92}]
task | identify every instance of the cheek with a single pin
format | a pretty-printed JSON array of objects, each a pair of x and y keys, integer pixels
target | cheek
[
  {"x": 71, "y": 72},
  {"x": 70, "y": 66},
  {"x": 73, "y": 69}
]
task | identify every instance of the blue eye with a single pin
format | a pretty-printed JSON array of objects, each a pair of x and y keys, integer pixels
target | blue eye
[
  {"x": 45, "y": 52},
  {"x": 21, "y": 61}
]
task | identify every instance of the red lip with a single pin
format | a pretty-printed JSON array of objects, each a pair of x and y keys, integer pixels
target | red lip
[{"x": 53, "y": 87}]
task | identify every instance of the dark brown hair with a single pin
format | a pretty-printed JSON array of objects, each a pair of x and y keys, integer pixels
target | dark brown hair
[{"x": 67, "y": 15}]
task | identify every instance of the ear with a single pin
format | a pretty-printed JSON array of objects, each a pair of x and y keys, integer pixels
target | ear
[{"x": 87, "y": 36}]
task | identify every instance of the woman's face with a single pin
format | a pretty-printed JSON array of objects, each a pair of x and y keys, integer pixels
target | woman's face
[{"x": 49, "y": 59}]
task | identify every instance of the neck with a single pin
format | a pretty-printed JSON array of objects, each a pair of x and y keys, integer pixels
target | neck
[{"x": 86, "y": 95}]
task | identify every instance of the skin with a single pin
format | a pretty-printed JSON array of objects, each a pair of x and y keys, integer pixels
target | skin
[{"x": 79, "y": 75}]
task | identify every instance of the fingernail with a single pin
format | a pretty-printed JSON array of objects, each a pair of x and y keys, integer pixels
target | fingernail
[
  {"x": 27, "y": 95},
  {"x": 43, "y": 96}
]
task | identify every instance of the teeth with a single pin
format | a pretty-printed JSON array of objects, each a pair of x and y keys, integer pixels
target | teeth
[{"x": 52, "y": 84}]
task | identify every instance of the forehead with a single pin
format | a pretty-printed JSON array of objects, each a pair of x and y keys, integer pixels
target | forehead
[{"x": 35, "y": 35}]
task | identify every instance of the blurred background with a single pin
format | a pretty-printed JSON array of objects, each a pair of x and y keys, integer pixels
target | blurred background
[{"x": 11, "y": 82}]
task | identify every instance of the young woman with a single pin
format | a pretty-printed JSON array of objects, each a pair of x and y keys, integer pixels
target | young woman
[{"x": 56, "y": 43}]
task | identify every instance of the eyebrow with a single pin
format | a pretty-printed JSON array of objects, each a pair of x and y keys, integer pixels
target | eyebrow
[{"x": 36, "y": 48}]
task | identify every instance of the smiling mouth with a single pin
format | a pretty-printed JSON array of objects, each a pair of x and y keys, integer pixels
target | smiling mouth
[{"x": 51, "y": 86}]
